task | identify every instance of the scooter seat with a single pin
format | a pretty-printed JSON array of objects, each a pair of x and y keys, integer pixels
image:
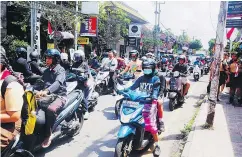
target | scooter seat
[{"x": 74, "y": 95}]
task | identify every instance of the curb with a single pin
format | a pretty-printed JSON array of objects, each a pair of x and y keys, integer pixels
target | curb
[{"x": 188, "y": 143}]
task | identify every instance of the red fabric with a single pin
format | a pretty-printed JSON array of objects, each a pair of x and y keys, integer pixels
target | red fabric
[
  {"x": 49, "y": 28},
  {"x": 121, "y": 63},
  {"x": 5, "y": 74},
  {"x": 230, "y": 32}
]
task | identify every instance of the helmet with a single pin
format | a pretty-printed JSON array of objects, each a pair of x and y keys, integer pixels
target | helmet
[
  {"x": 182, "y": 57},
  {"x": 64, "y": 57},
  {"x": 134, "y": 52},
  {"x": 54, "y": 54},
  {"x": 144, "y": 58},
  {"x": 34, "y": 55},
  {"x": 115, "y": 53},
  {"x": 148, "y": 66},
  {"x": 105, "y": 55},
  {"x": 79, "y": 56},
  {"x": 198, "y": 58},
  {"x": 235, "y": 53},
  {"x": 21, "y": 52}
]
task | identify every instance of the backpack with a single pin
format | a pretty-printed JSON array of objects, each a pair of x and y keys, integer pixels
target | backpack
[{"x": 29, "y": 106}]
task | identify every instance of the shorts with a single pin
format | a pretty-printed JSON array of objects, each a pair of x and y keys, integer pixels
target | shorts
[{"x": 184, "y": 80}]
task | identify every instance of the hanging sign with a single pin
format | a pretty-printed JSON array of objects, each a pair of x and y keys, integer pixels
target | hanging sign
[
  {"x": 82, "y": 41},
  {"x": 135, "y": 30},
  {"x": 89, "y": 27},
  {"x": 234, "y": 9}
]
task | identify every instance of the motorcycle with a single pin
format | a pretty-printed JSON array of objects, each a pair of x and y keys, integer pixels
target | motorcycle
[
  {"x": 175, "y": 91},
  {"x": 68, "y": 123},
  {"x": 75, "y": 81},
  {"x": 101, "y": 82},
  {"x": 132, "y": 134},
  {"x": 120, "y": 83},
  {"x": 196, "y": 73}
]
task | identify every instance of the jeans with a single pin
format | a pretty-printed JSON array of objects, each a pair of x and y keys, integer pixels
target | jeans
[{"x": 87, "y": 95}]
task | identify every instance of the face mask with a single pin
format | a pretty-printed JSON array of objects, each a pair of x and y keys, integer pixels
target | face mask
[{"x": 147, "y": 71}]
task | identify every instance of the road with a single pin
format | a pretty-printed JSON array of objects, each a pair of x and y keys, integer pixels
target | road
[{"x": 98, "y": 136}]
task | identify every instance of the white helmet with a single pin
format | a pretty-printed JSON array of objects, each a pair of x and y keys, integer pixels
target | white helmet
[
  {"x": 64, "y": 56},
  {"x": 79, "y": 55}
]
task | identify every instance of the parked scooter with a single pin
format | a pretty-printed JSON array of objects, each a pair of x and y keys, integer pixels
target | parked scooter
[
  {"x": 68, "y": 123},
  {"x": 175, "y": 91},
  {"x": 120, "y": 83},
  {"x": 196, "y": 73},
  {"x": 132, "y": 134}
]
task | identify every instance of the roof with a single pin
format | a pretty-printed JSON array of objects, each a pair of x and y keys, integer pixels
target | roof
[{"x": 132, "y": 13}]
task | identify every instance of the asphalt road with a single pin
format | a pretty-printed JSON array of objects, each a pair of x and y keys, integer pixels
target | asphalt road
[{"x": 98, "y": 136}]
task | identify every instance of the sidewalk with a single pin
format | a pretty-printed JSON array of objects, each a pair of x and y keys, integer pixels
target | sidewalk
[{"x": 225, "y": 140}]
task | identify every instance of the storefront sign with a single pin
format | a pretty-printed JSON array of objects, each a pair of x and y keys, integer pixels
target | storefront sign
[
  {"x": 82, "y": 41},
  {"x": 89, "y": 27},
  {"x": 135, "y": 30},
  {"x": 234, "y": 9},
  {"x": 50, "y": 45},
  {"x": 132, "y": 41}
]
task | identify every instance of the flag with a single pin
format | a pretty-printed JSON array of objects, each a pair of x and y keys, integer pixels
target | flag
[
  {"x": 49, "y": 28},
  {"x": 229, "y": 33}
]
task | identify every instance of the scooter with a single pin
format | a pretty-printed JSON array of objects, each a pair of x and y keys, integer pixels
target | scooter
[
  {"x": 175, "y": 91},
  {"x": 101, "y": 82},
  {"x": 132, "y": 134},
  {"x": 196, "y": 73},
  {"x": 68, "y": 123},
  {"x": 75, "y": 81},
  {"x": 120, "y": 83}
]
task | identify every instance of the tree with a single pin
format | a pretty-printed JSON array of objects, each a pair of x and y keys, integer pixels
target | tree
[
  {"x": 211, "y": 44},
  {"x": 112, "y": 25},
  {"x": 196, "y": 44}
]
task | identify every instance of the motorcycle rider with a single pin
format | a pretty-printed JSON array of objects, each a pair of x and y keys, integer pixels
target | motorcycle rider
[
  {"x": 54, "y": 83},
  {"x": 134, "y": 66},
  {"x": 11, "y": 103},
  {"x": 21, "y": 64},
  {"x": 199, "y": 63},
  {"x": 121, "y": 61},
  {"x": 182, "y": 68},
  {"x": 64, "y": 61},
  {"x": 88, "y": 84},
  {"x": 110, "y": 64},
  {"x": 94, "y": 62},
  {"x": 34, "y": 56},
  {"x": 149, "y": 83}
]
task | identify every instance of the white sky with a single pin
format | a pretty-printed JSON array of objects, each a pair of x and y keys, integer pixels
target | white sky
[{"x": 193, "y": 17}]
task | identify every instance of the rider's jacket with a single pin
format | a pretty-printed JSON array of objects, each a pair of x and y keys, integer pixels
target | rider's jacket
[
  {"x": 110, "y": 64},
  {"x": 22, "y": 66},
  {"x": 148, "y": 84},
  {"x": 182, "y": 68},
  {"x": 55, "y": 80},
  {"x": 35, "y": 68}
]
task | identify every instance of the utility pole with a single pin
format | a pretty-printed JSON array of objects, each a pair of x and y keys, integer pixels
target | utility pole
[
  {"x": 155, "y": 30},
  {"x": 217, "y": 59},
  {"x": 76, "y": 31}
]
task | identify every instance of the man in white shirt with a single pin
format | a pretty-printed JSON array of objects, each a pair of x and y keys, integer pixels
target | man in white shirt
[{"x": 110, "y": 64}]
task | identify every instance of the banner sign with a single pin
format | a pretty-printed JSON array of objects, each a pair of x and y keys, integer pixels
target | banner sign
[
  {"x": 233, "y": 23},
  {"x": 82, "y": 41},
  {"x": 89, "y": 27},
  {"x": 132, "y": 41},
  {"x": 234, "y": 9},
  {"x": 135, "y": 30}
]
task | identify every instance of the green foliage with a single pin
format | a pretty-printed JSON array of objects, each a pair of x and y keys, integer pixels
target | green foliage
[
  {"x": 10, "y": 43},
  {"x": 112, "y": 25},
  {"x": 196, "y": 44},
  {"x": 211, "y": 44}
]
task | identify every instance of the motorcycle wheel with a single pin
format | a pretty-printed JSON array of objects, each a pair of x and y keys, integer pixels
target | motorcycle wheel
[
  {"x": 172, "y": 104},
  {"x": 117, "y": 109},
  {"x": 121, "y": 145},
  {"x": 99, "y": 90},
  {"x": 79, "y": 127}
]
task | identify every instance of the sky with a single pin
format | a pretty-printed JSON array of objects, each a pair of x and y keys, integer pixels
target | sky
[{"x": 198, "y": 19}]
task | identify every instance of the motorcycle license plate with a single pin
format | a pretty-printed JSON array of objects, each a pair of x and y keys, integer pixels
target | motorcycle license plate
[{"x": 127, "y": 103}]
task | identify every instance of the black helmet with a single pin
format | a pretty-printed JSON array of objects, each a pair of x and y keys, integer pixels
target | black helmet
[
  {"x": 134, "y": 52},
  {"x": 54, "y": 54},
  {"x": 34, "y": 55},
  {"x": 79, "y": 56},
  {"x": 21, "y": 52},
  {"x": 149, "y": 64}
]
